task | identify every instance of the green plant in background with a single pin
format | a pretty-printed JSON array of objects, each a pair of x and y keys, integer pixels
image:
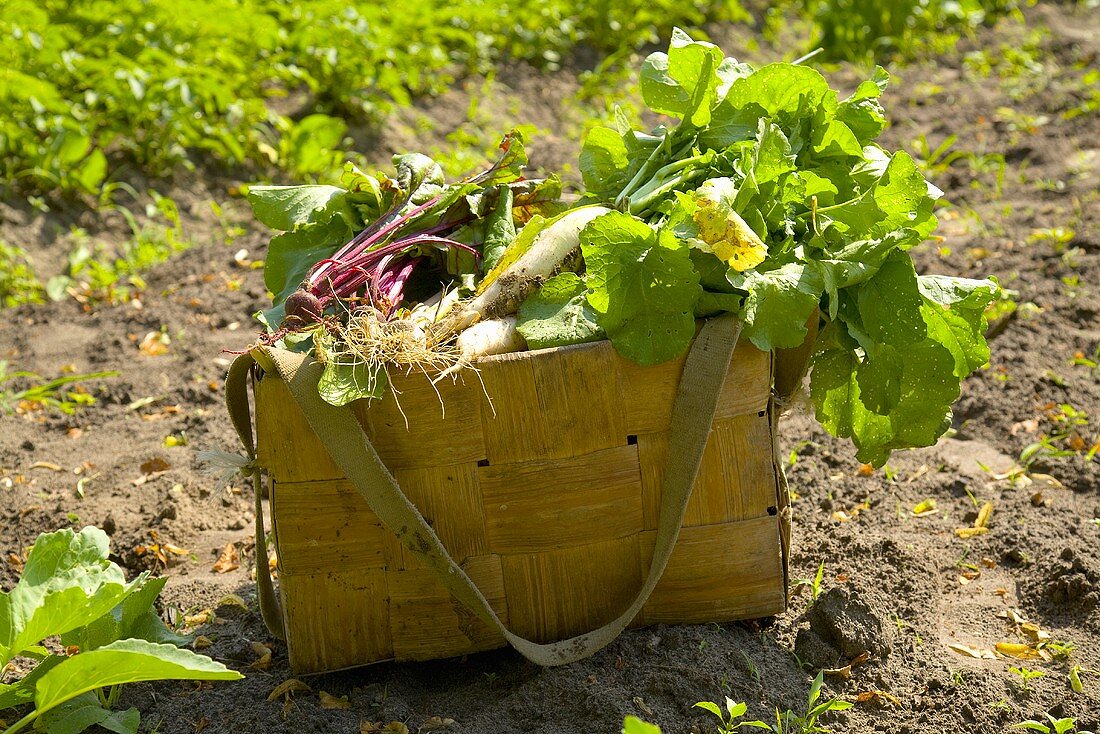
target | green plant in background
[
  {"x": 90, "y": 88},
  {"x": 18, "y": 283},
  {"x": 49, "y": 394},
  {"x": 70, "y": 589},
  {"x": 869, "y": 30},
  {"x": 101, "y": 275}
]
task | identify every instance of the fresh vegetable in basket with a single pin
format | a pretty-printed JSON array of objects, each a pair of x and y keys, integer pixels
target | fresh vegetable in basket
[
  {"x": 765, "y": 195},
  {"x": 353, "y": 261}
]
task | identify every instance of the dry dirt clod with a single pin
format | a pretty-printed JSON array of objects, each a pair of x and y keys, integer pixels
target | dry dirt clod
[{"x": 842, "y": 627}]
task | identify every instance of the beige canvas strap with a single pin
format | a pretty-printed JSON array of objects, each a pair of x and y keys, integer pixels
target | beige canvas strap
[{"x": 343, "y": 437}]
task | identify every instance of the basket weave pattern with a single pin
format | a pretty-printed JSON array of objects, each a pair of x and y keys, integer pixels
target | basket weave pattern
[{"x": 542, "y": 479}]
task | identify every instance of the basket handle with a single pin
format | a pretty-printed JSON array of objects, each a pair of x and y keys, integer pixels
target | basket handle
[{"x": 344, "y": 439}]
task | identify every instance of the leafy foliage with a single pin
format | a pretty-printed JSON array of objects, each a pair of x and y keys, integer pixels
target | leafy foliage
[
  {"x": 47, "y": 393},
  {"x": 18, "y": 283},
  {"x": 89, "y": 87},
  {"x": 70, "y": 588},
  {"x": 771, "y": 194},
  {"x": 859, "y": 30}
]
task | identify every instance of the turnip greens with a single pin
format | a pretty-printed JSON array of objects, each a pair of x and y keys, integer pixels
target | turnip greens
[{"x": 764, "y": 195}]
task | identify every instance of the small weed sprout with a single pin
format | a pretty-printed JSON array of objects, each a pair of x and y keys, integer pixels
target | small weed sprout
[
  {"x": 814, "y": 584},
  {"x": 787, "y": 722},
  {"x": 1026, "y": 676}
]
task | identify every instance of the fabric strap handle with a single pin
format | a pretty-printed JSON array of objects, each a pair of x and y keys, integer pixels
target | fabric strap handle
[{"x": 343, "y": 437}]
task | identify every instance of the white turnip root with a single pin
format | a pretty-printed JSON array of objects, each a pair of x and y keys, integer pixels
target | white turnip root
[
  {"x": 503, "y": 296},
  {"x": 492, "y": 336}
]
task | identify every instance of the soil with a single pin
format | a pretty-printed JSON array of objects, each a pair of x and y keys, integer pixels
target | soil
[{"x": 901, "y": 587}]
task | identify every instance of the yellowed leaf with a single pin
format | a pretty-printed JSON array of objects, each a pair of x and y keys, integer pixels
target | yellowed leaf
[
  {"x": 1033, "y": 631},
  {"x": 194, "y": 620},
  {"x": 202, "y": 642},
  {"x": 860, "y": 659},
  {"x": 329, "y": 701},
  {"x": 729, "y": 236},
  {"x": 1048, "y": 479},
  {"x": 925, "y": 507},
  {"x": 1017, "y": 650},
  {"x": 983, "y": 515},
  {"x": 435, "y": 722},
  {"x": 155, "y": 344},
  {"x": 228, "y": 561},
  {"x": 46, "y": 465},
  {"x": 966, "y": 533},
  {"x": 979, "y": 653},
  {"x": 844, "y": 673},
  {"x": 288, "y": 686},
  {"x": 154, "y": 465},
  {"x": 877, "y": 696}
]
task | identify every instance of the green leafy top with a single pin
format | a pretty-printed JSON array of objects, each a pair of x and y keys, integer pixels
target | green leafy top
[
  {"x": 70, "y": 588},
  {"x": 767, "y": 195}
]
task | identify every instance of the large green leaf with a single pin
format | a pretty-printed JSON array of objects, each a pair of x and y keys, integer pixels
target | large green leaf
[
  {"x": 67, "y": 583},
  {"x": 783, "y": 92},
  {"x": 682, "y": 83},
  {"x": 921, "y": 412},
  {"x": 85, "y": 711},
  {"x": 286, "y": 207},
  {"x": 642, "y": 287},
  {"x": 779, "y": 303},
  {"x": 124, "y": 661},
  {"x": 134, "y": 617},
  {"x": 889, "y": 304},
  {"x": 558, "y": 314}
]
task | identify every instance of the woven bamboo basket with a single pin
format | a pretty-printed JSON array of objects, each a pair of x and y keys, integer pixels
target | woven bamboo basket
[{"x": 541, "y": 475}]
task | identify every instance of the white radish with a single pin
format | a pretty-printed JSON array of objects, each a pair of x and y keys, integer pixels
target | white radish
[
  {"x": 549, "y": 250},
  {"x": 485, "y": 338}
]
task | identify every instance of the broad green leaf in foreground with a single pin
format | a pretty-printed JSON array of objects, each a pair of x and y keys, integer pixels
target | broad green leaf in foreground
[
  {"x": 124, "y": 661},
  {"x": 642, "y": 287},
  {"x": 84, "y": 712},
  {"x": 558, "y": 314},
  {"x": 778, "y": 304},
  {"x": 134, "y": 617},
  {"x": 286, "y": 207},
  {"x": 67, "y": 583},
  {"x": 22, "y": 690},
  {"x": 346, "y": 379},
  {"x": 921, "y": 412}
]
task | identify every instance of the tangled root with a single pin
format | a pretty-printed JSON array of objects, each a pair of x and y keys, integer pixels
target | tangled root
[{"x": 395, "y": 343}]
